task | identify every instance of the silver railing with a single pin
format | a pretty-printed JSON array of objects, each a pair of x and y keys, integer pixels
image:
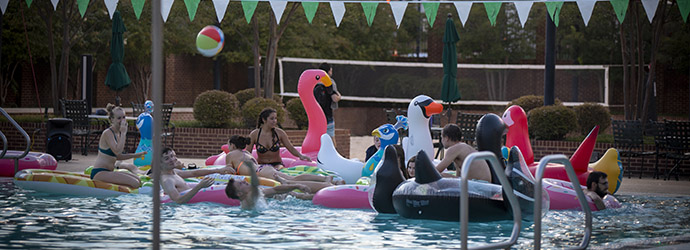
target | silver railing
[
  {"x": 4, "y": 141},
  {"x": 580, "y": 196},
  {"x": 507, "y": 190}
]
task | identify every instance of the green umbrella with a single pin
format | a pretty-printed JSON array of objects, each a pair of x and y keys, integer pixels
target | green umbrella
[
  {"x": 117, "y": 78},
  {"x": 449, "y": 92}
]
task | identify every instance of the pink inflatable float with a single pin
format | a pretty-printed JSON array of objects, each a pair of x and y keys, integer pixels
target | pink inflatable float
[
  {"x": 215, "y": 194},
  {"x": 316, "y": 128},
  {"x": 33, "y": 160},
  {"x": 343, "y": 196},
  {"x": 563, "y": 196}
]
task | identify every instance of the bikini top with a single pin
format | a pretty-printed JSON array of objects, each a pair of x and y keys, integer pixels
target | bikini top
[
  {"x": 109, "y": 151},
  {"x": 276, "y": 143}
]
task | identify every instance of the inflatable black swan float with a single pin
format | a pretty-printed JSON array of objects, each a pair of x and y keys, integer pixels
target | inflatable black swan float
[{"x": 429, "y": 196}]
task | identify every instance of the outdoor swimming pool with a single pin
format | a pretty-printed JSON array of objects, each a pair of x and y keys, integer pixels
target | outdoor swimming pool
[{"x": 36, "y": 220}]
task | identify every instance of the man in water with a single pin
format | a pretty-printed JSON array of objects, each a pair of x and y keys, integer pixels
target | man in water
[
  {"x": 249, "y": 194},
  {"x": 457, "y": 151},
  {"x": 597, "y": 188},
  {"x": 172, "y": 179}
]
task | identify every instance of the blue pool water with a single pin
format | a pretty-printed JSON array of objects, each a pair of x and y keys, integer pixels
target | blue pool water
[{"x": 36, "y": 220}]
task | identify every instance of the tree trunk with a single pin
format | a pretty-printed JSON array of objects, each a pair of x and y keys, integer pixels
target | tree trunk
[
  {"x": 641, "y": 89},
  {"x": 626, "y": 77},
  {"x": 272, "y": 50},
  {"x": 46, "y": 13},
  {"x": 658, "y": 25},
  {"x": 257, "y": 58}
]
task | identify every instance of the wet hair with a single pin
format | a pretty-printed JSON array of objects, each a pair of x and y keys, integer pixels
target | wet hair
[
  {"x": 166, "y": 150},
  {"x": 110, "y": 108},
  {"x": 325, "y": 67},
  {"x": 452, "y": 131},
  {"x": 594, "y": 177},
  {"x": 264, "y": 115},
  {"x": 401, "y": 160},
  {"x": 230, "y": 190},
  {"x": 239, "y": 141}
]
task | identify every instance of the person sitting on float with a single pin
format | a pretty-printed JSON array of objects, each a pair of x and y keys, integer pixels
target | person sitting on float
[
  {"x": 172, "y": 178},
  {"x": 110, "y": 156},
  {"x": 457, "y": 151},
  {"x": 373, "y": 148},
  {"x": 237, "y": 155},
  {"x": 597, "y": 188},
  {"x": 410, "y": 167},
  {"x": 267, "y": 138},
  {"x": 250, "y": 194}
]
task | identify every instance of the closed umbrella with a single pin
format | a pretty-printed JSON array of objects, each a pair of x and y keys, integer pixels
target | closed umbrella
[
  {"x": 449, "y": 91},
  {"x": 117, "y": 78}
]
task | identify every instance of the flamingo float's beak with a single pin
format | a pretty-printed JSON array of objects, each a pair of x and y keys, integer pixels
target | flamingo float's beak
[{"x": 325, "y": 79}]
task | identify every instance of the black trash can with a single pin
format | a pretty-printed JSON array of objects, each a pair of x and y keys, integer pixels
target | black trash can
[{"x": 59, "y": 138}]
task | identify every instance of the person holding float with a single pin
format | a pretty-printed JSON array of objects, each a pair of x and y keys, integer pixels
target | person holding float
[
  {"x": 110, "y": 156},
  {"x": 457, "y": 151}
]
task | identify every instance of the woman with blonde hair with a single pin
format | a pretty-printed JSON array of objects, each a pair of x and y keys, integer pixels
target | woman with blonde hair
[{"x": 110, "y": 156}]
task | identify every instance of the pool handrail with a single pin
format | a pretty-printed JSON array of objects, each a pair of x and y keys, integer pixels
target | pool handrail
[
  {"x": 559, "y": 158},
  {"x": 507, "y": 190},
  {"x": 4, "y": 140}
]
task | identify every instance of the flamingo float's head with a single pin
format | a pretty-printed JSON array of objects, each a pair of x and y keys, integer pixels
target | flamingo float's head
[
  {"x": 387, "y": 133},
  {"x": 423, "y": 105},
  {"x": 310, "y": 78},
  {"x": 514, "y": 115}
]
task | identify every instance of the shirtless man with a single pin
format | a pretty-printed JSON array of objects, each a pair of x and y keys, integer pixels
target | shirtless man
[
  {"x": 172, "y": 179},
  {"x": 249, "y": 194},
  {"x": 597, "y": 188},
  {"x": 457, "y": 151}
]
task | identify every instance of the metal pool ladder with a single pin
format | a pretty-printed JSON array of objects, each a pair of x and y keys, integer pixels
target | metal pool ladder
[
  {"x": 4, "y": 141},
  {"x": 559, "y": 158},
  {"x": 507, "y": 190}
]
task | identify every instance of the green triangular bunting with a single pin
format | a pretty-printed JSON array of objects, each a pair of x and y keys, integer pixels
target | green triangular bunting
[
  {"x": 28, "y": 3},
  {"x": 620, "y": 7},
  {"x": 82, "y": 4},
  {"x": 138, "y": 6},
  {"x": 684, "y": 7},
  {"x": 192, "y": 5},
  {"x": 369, "y": 11},
  {"x": 249, "y": 7},
  {"x": 492, "y": 9},
  {"x": 431, "y": 9},
  {"x": 554, "y": 9},
  {"x": 310, "y": 9}
]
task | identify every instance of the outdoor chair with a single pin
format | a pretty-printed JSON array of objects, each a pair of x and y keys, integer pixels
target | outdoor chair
[
  {"x": 435, "y": 130},
  {"x": 390, "y": 119},
  {"x": 468, "y": 125},
  {"x": 77, "y": 110},
  {"x": 628, "y": 140},
  {"x": 677, "y": 140}
]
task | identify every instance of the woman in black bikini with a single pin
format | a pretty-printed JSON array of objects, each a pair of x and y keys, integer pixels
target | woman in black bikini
[{"x": 268, "y": 137}]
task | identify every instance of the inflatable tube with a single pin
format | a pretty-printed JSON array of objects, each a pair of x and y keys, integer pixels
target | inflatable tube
[
  {"x": 388, "y": 135},
  {"x": 343, "y": 196},
  {"x": 563, "y": 196},
  {"x": 431, "y": 197},
  {"x": 214, "y": 194},
  {"x": 288, "y": 159},
  {"x": 418, "y": 112},
  {"x": 329, "y": 159},
  {"x": 32, "y": 160},
  {"x": 60, "y": 182},
  {"x": 298, "y": 170},
  {"x": 385, "y": 179},
  {"x": 490, "y": 129},
  {"x": 222, "y": 179}
]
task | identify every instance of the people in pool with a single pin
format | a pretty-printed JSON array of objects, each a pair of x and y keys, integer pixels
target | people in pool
[
  {"x": 237, "y": 155},
  {"x": 597, "y": 188},
  {"x": 410, "y": 167},
  {"x": 457, "y": 151},
  {"x": 172, "y": 178},
  {"x": 249, "y": 193},
  {"x": 268, "y": 138},
  {"x": 110, "y": 156},
  {"x": 373, "y": 148}
]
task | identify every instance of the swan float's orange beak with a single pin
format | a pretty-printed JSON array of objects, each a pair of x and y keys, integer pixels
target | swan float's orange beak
[
  {"x": 325, "y": 79},
  {"x": 432, "y": 109}
]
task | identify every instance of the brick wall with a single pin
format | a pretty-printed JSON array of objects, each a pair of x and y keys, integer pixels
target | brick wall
[{"x": 189, "y": 142}]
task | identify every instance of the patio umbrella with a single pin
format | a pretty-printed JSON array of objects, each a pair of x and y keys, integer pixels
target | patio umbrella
[
  {"x": 117, "y": 78},
  {"x": 449, "y": 91}
]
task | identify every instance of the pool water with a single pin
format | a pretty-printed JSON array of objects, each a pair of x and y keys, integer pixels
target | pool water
[{"x": 37, "y": 220}]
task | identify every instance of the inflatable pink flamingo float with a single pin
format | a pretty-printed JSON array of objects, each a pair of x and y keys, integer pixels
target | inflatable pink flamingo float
[
  {"x": 518, "y": 135},
  {"x": 317, "y": 122}
]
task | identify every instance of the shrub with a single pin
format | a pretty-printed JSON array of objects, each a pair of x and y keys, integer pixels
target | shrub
[
  {"x": 244, "y": 95},
  {"x": 251, "y": 110},
  {"x": 590, "y": 115},
  {"x": 551, "y": 122},
  {"x": 297, "y": 113},
  {"x": 216, "y": 109},
  {"x": 530, "y": 102}
]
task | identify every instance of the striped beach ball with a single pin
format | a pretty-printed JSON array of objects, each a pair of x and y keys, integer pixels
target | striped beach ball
[{"x": 210, "y": 40}]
